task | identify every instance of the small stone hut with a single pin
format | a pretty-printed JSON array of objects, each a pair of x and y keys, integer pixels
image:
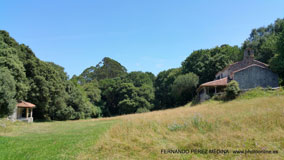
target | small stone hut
[{"x": 23, "y": 112}]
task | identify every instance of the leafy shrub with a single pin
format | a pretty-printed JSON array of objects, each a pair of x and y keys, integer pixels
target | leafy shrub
[
  {"x": 195, "y": 100},
  {"x": 142, "y": 110},
  {"x": 232, "y": 90},
  {"x": 220, "y": 96}
]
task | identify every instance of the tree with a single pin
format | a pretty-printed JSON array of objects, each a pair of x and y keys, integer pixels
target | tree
[
  {"x": 127, "y": 106},
  {"x": 7, "y": 92},
  {"x": 163, "y": 85},
  {"x": 139, "y": 78},
  {"x": 106, "y": 69},
  {"x": 151, "y": 76},
  {"x": 79, "y": 102},
  {"x": 277, "y": 62},
  {"x": 232, "y": 90},
  {"x": 131, "y": 99},
  {"x": 48, "y": 89},
  {"x": 206, "y": 63},
  {"x": 10, "y": 60},
  {"x": 120, "y": 97},
  {"x": 93, "y": 92},
  {"x": 147, "y": 92},
  {"x": 184, "y": 87},
  {"x": 263, "y": 40},
  {"x": 127, "y": 93},
  {"x": 109, "y": 96}
]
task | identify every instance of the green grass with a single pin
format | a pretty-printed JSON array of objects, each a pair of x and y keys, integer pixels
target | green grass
[
  {"x": 49, "y": 140},
  {"x": 260, "y": 92}
]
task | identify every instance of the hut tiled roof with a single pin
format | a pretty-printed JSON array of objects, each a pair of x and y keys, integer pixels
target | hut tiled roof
[
  {"x": 25, "y": 104},
  {"x": 219, "y": 82}
]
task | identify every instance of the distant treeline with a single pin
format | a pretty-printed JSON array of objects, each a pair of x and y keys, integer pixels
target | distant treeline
[{"x": 107, "y": 89}]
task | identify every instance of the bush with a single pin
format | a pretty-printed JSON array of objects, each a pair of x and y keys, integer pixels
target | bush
[
  {"x": 232, "y": 90},
  {"x": 195, "y": 100},
  {"x": 220, "y": 96},
  {"x": 142, "y": 110},
  {"x": 184, "y": 87}
]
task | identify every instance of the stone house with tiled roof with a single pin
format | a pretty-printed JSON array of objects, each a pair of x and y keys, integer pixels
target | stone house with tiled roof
[{"x": 249, "y": 73}]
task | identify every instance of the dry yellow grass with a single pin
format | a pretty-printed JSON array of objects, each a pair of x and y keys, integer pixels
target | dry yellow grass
[{"x": 255, "y": 124}]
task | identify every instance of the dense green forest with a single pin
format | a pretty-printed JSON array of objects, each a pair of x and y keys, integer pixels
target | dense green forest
[{"x": 107, "y": 89}]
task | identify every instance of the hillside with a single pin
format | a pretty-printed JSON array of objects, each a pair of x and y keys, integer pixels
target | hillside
[{"x": 247, "y": 123}]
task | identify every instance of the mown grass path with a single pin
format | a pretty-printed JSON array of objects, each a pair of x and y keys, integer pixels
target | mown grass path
[{"x": 50, "y": 140}]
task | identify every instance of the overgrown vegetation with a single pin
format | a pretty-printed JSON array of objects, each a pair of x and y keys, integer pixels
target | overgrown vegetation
[
  {"x": 241, "y": 124},
  {"x": 232, "y": 90}
]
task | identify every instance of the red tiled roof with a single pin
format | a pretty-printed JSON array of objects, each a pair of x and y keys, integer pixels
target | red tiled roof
[
  {"x": 25, "y": 104},
  {"x": 219, "y": 82}
]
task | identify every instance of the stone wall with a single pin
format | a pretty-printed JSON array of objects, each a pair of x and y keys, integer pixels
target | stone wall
[
  {"x": 256, "y": 76},
  {"x": 13, "y": 116},
  {"x": 203, "y": 96}
]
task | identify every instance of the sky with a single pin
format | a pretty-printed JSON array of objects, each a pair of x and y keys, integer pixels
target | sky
[{"x": 143, "y": 35}]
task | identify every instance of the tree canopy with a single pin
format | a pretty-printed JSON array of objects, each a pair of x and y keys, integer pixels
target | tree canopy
[
  {"x": 106, "y": 69},
  {"x": 277, "y": 61},
  {"x": 206, "y": 63},
  {"x": 7, "y": 92},
  {"x": 163, "y": 88},
  {"x": 184, "y": 88},
  {"x": 263, "y": 40}
]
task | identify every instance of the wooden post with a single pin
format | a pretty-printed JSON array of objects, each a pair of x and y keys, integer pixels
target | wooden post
[
  {"x": 31, "y": 112},
  {"x": 27, "y": 112},
  {"x": 215, "y": 89}
]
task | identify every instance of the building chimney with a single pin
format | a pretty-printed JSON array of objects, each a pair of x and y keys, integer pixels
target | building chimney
[{"x": 248, "y": 55}]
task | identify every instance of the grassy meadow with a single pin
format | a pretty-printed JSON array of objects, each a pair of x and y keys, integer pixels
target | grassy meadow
[
  {"x": 49, "y": 140},
  {"x": 255, "y": 121}
]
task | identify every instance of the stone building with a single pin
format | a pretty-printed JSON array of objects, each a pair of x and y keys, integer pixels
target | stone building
[
  {"x": 249, "y": 73},
  {"x": 23, "y": 112}
]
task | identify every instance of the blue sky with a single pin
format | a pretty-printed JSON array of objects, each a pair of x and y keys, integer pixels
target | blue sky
[{"x": 143, "y": 35}]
